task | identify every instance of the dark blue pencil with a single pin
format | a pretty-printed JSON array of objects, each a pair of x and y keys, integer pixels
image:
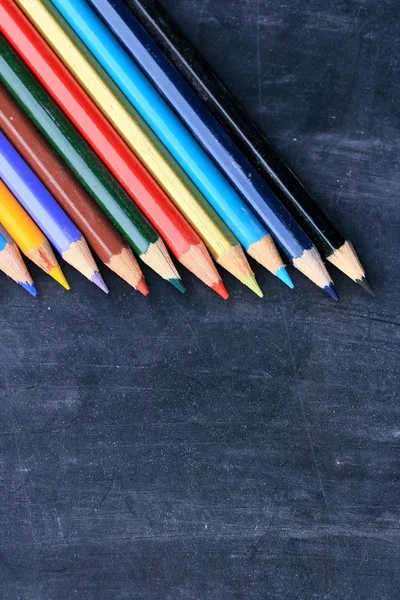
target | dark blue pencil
[
  {"x": 206, "y": 129},
  {"x": 47, "y": 214}
]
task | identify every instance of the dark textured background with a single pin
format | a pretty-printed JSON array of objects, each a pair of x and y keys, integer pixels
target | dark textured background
[{"x": 177, "y": 448}]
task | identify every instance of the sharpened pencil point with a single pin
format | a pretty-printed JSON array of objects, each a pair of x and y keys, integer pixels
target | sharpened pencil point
[
  {"x": 142, "y": 287},
  {"x": 284, "y": 276},
  {"x": 58, "y": 275},
  {"x": 30, "y": 288},
  {"x": 178, "y": 284},
  {"x": 221, "y": 290},
  {"x": 330, "y": 289},
  {"x": 99, "y": 281},
  {"x": 364, "y": 283},
  {"x": 252, "y": 284}
]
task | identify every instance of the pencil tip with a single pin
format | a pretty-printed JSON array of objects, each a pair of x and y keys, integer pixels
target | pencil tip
[
  {"x": 142, "y": 287},
  {"x": 99, "y": 281},
  {"x": 221, "y": 290},
  {"x": 178, "y": 284},
  {"x": 59, "y": 276},
  {"x": 284, "y": 276},
  {"x": 364, "y": 283},
  {"x": 30, "y": 288},
  {"x": 252, "y": 284},
  {"x": 330, "y": 289}
]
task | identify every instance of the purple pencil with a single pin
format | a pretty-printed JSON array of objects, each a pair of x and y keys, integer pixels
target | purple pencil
[{"x": 48, "y": 215}]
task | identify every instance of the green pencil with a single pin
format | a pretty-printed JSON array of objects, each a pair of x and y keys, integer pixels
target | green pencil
[{"x": 90, "y": 171}]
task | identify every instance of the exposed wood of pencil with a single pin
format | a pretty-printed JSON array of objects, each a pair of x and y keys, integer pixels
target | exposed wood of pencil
[
  {"x": 12, "y": 263},
  {"x": 311, "y": 265},
  {"x": 126, "y": 266},
  {"x": 196, "y": 259},
  {"x": 248, "y": 137},
  {"x": 266, "y": 254},
  {"x": 346, "y": 259},
  {"x": 165, "y": 217},
  {"x": 28, "y": 236},
  {"x": 79, "y": 256},
  {"x": 236, "y": 263},
  {"x": 59, "y": 180}
]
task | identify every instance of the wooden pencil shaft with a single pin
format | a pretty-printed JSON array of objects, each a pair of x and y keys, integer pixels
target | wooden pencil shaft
[
  {"x": 59, "y": 180},
  {"x": 89, "y": 170},
  {"x": 246, "y": 135}
]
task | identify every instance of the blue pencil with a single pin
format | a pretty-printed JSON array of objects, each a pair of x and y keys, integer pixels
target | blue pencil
[
  {"x": 184, "y": 147},
  {"x": 12, "y": 263},
  {"x": 44, "y": 210}
]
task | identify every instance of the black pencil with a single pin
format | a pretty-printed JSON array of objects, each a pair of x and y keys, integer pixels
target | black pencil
[{"x": 249, "y": 138}]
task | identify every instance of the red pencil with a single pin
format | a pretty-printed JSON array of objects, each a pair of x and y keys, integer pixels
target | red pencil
[{"x": 182, "y": 240}]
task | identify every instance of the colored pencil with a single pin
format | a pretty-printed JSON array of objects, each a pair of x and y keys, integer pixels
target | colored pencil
[
  {"x": 140, "y": 137},
  {"x": 61, "y": 183},
  {"x": 44, "y": 210},
  {"x": 12, "y": 263},
  {"x": 243, "y": 132},
  {"x": 180, "y": 237},
  {"x": 186, "y": 150},
  {"x": 28, "y": 236},
  {"x": 85, "y": 165}
]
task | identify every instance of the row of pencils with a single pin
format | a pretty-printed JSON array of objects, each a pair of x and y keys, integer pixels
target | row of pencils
[{"x": 117, "y": 137}]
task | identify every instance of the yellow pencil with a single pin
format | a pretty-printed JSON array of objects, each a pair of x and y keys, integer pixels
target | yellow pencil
[
  {"x": 28, "y": 236},
  {"x": 220, "y": 241}
]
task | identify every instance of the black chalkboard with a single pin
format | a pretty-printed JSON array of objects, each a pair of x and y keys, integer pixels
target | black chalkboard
[{"x": 183, "y": 448}]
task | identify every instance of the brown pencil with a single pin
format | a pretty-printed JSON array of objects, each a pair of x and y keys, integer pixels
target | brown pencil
[{"x": 59, "y": 180}]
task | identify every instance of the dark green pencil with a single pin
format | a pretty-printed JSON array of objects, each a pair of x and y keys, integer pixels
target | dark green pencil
[{"x": 90, "y": 171}]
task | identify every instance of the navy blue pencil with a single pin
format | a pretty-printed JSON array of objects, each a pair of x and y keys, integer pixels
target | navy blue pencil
[{"x": 212, "y": 136}]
